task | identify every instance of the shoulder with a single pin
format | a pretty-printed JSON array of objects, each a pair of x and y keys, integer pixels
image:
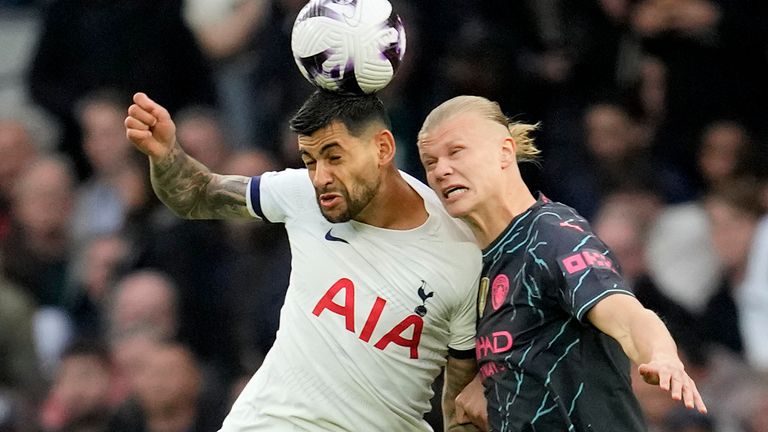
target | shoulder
[
  {"x": 276, "y": 195},
  {"x": 557, "y": 221},
  {"x": 288, "y": 178},
  {"x": 563, "y": 232}
]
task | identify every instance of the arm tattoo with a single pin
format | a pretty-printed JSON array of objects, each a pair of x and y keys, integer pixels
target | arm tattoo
[
  {"x": 192, "y": 191},
  {"x": 458, "y": 373}
]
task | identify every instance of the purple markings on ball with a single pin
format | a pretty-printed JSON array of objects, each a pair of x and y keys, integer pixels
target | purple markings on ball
[
  {"x": 314, "y": 63},
  {"x": 348, "y": 83},
  {"x": 394, "y": 51}
]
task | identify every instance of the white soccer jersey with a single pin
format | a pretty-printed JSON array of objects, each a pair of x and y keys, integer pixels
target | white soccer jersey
[{"x": 368, "y": 319}]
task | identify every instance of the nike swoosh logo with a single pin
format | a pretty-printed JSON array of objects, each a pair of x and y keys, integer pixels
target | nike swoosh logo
[
  {"x": 568, "y": 224},
  {"x": 350, "y": 10},
  {"x": 331, "y": 237}
]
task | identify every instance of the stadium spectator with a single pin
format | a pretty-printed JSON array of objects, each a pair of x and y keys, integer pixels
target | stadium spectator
[
  {"x": 724, "y": 151},
  {"x": 686, "y": 35},
  {"x": 24, "y": 134},
  {"x": 734, "y": 216},
  {"x": 203, "y": 135},
  {"x": 752, "y": 300},
  {"x": 278, "y": 94},
  {"x": 615, "y": 148},
  {"x": 21, "y": 383},
  {"x": 170, "y": 393},
  {"x": 92, "y": 274},
  {"x": 146, "y": 300},
  {"x": 102, "y": 206},
  {"x": 84, "y": 46},
  {"x": 227, "y": 32},
  {"x": 84, "y": 393},
  {"x": 691, "y": 279},
  {"x": 257, "y": 249},
  {"x": 36, "y": 251},
  {"x": 622, "y": 222}
]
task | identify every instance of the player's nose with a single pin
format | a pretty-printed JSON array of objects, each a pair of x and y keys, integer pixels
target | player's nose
[
  {"x": 322, "y": 175},
  {"x": 443, "y": 168}
]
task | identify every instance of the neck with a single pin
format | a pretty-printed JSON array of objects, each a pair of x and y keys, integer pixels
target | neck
[
  {"x": 396, "y": 205},
  {"x": 493, "y": 216}
]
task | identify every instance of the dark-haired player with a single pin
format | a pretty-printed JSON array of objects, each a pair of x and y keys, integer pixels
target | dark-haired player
[
  {"x": 383, "y": 284},
  {"x": 557, "y": 323}
]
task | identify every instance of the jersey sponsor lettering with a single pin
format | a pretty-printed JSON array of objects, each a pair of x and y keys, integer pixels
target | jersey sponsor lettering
[
  {"x": 491, "y": 368},
  {"x": 412, "y": 324},
  {"x": 497, "y": 342}
]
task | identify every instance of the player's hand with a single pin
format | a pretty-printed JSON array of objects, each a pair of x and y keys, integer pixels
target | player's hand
[
  {"x": 670, "y": 375},
  {"x": 471, "y": 406},
  {"x": 149, "y": 127}
]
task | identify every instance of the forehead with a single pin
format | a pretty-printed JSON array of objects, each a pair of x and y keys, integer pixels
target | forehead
[{"x": 336, "y": 133}]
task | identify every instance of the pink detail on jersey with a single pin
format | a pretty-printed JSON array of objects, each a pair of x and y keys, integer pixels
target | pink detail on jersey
[
  {"x": 373, "y": 319},
  {"x": 586, "y": 258},
  {"x": 497, "y": 342},
  {"x": 596, "y": 259},
  {"x": 568, "y": 224},
  {"x": 395, "y": 335},
  {"x": 489, "y": 369},
  {"x": 499, "y": 291},
  {"x": 574, "y": 263}
]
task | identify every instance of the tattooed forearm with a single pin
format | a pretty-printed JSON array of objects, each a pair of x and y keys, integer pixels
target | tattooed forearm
[
  {"x": 458, "y": 373},
  {"x": 192, "y": 191}
]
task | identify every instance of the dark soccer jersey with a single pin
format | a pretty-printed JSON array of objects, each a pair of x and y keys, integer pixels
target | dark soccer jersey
[{"x": 545, "y": 367}]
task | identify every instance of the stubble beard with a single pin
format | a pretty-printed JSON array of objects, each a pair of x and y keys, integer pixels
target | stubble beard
[{"x": 364, "y": 193}]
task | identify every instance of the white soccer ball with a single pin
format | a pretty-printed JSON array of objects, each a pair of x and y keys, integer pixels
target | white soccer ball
[{"x": 348, "y": 46}]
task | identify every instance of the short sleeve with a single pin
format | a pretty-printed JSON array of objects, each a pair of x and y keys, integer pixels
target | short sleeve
[
  {"x": 588, "y": 271},
  {"x": 277, "y": 196},
  {"x": 463, "y": 325}
]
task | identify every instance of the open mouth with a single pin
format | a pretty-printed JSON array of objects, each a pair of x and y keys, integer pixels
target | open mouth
[
  {"x": 329, "y": 200},
  {"x": 454, "y": 191}
]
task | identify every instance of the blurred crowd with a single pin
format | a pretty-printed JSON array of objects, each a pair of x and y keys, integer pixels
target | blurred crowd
[{"x": 115, "y": 315}]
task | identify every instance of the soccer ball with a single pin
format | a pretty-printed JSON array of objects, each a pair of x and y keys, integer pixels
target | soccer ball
[{"x": 348, "y": 46}]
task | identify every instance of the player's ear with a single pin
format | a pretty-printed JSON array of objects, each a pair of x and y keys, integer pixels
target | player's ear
[
  {"x": 508, "y": 152},
  {"x": 385, "y": 144}
]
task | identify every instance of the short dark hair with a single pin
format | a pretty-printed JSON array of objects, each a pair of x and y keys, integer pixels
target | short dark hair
[{"x": 356, "y": 112}]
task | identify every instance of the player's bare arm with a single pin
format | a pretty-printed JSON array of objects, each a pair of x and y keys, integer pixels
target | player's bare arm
[
  {"x": 647, "y": 342},
  {"x": 458, "y": 373},
  {"x": 189, "y": 189},
  {"x": 183, "y": 184}
]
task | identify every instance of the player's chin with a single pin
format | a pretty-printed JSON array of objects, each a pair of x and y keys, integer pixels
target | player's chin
[{"x": 336, "y": 215}]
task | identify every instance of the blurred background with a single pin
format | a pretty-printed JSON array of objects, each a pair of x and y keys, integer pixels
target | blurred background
[{"x": 117, "y": 316}]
